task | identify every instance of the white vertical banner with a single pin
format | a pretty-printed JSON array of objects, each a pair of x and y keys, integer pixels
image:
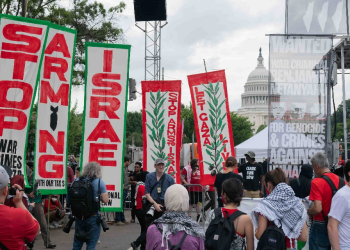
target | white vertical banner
[
  {"x": 21, "y": 45},
  {"x": 51, "y": 143},
  {"x": 106, "y": 89}
]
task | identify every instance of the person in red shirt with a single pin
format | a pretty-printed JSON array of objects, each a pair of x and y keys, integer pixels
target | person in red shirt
[
  {"x": 140, "y": 194},
  {"x": 17, "y": 225},
  {"x": 56, "y": 211},
  {"x": 321, "y": 195}
]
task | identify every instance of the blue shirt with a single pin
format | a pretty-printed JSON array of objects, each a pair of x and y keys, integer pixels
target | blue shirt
[{"x": 151, "y": 180}]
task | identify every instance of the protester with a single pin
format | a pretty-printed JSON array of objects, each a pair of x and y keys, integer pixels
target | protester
[
  {"x": 70, "y": 179},
  {"x": 230, "y": 164},
  {"x": 156, "y": 185},
  {"x": 302, "y": 185},
  {"x": 17, "y": 225},
  {"x": 56, "y": 211},
  {"x": 119, "y": 216},
  {"x": 339, "y": 216},
  {"x": 133, "y": 183},
  {"x": 140, "y": 195},
  {"x": 252, "y": 175},
  {"x": 321, "y": 195},
  {"x": 232, "y": 193},
  {"x": 72, "y": 162},
  {"x": 91, "y": 171},
  {"x": 195, "y": 191},
  {"x": 211, "y": 203},
  {"x": 282, "y": 208},
  {"x": 19, "y": 180},
  {"x": 77, "y": 173},
  {"x": 175, "y": 227}
]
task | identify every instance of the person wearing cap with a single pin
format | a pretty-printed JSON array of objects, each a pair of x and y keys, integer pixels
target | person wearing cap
[
  {"x": 156, "y": 184},
  {"x": 252, "y": 175},
  {"x": 17, "y": 225}
]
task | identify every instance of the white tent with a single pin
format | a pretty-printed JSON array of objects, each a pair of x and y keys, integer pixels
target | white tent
[{"x": 258, "y": 144}]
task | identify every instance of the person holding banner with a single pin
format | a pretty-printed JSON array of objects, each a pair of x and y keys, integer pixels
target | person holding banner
[{"x": 17, "y": 225}]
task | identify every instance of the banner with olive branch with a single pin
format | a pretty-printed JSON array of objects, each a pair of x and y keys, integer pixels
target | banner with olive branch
[
  {"x": 161, "y": 107},
  {"x": 212, "y": 122}
]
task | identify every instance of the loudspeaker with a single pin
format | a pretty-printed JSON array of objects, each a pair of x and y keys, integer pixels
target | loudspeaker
[{"x": 150, "y": 10}]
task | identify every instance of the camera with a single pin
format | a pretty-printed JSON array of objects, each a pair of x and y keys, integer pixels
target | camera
[
  {"x": 150, "y": 212},
  {"x": 12, "y": 191},
  {"x": 58, "y": 214},
  {"x": 30, "y": 245},
  {"x": 104, "y": 224},
  {"x": 66, "y": 229}
]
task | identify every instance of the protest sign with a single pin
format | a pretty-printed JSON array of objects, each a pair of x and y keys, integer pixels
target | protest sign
[
  {"x": 161, "y": 110},
  {"x": 212, "y": 122},
  {"x": 298, "y": 96},
  {"x": 21, "y": 45},
  {"x": 106, "y": 85},
  {"x": 317, "y": 16},
  {"x": 53, "y": 111}
]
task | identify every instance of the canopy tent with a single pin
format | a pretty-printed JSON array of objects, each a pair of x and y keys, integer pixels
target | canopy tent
[{"x": 258, "y": 144}]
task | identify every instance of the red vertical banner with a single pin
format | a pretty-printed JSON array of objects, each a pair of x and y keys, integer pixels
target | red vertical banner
[
  {"x": 22, "y": 41},
  {"x": 212, "y": 122},
  {"x": 161, "y": 110}
]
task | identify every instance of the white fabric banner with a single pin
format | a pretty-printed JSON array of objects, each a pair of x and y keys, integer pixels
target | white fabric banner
[
  {"x": 53, "y": 111},
  {"x": 21, "y": 44},
  {"x": 106, "y": 89}
]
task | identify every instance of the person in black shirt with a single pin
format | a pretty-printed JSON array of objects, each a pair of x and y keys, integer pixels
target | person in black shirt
[
  {"x": 302, "y": 185},
  {"x": 252, "y": 175},
  {"x": 230, "y": 164}
]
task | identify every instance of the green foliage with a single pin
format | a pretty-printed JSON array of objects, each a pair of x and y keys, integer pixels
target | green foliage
[
  {"x": 217, "y": 122},
  {"x": 189, "y": 129},
  {"x": 241, "y": 128},
  {"x": 260, "y": 128},
  {"x": 75, "y": 131},
  {"x": 91, "y": 20}
]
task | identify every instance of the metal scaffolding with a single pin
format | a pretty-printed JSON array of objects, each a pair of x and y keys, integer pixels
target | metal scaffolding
[{"x": 153, "y": 33}]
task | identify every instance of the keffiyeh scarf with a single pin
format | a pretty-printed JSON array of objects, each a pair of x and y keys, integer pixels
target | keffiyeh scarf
[
  {"x": 173, "y": 222},
  {"x": 282, "y": 207}
]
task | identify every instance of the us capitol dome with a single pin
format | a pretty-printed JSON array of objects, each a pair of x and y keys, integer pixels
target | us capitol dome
[{"x": 255, "y": 100}]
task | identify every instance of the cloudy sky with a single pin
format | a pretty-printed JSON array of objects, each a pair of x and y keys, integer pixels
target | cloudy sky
[{"x": 226, "y": 33}]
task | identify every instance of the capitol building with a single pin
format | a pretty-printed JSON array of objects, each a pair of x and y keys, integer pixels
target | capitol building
[{"x": 255, "y": 100}]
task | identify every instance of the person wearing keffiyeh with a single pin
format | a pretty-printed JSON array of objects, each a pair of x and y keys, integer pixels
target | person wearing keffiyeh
[
  {"x": 175, "y": 223},
  {"x": 282, "y": 207}
]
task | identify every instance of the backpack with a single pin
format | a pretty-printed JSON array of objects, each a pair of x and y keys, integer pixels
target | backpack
[
  {"x": 221, "y": 231},
  {"x": 272, "y": 239},
  {"x": 334, "y": 190},
  {"x": 81, "y": 197},
  {"x": 173, "y": 247}
]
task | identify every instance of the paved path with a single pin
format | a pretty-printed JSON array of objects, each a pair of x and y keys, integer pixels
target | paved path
[{"x": 116, "y": 238}]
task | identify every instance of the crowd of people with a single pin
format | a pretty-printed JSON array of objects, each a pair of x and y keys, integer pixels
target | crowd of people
[{"x": 162, "y": 207}]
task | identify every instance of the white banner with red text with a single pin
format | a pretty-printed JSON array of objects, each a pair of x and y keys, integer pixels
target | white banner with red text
[
  {"x": 212, "y": 122},
  {"x": 21, "y": 49},
  {"x": 53, "y": 111},
  {"x": 161, "y": 110},
  {"x": 106, "y": 89}
]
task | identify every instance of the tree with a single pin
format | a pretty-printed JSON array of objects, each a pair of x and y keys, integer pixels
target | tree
[
  {"x": 91, "y": 20},
  {"x": 189, "y": 128},
  {"x": 75, "y": 131},
  {"x": 241, "y": 128},
  {"x": 260, "y": 128}
]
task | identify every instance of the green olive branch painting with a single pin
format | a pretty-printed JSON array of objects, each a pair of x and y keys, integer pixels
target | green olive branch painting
[
  {"x": 217, "y": 126},
  {"x": 157, "y": 130}
]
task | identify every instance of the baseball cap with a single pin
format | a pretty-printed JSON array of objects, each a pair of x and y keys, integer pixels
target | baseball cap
[
  {"x": 159, "y": 161},
  {"x": 5, "y": 173},
  {"x": 251, "y": 154}
]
